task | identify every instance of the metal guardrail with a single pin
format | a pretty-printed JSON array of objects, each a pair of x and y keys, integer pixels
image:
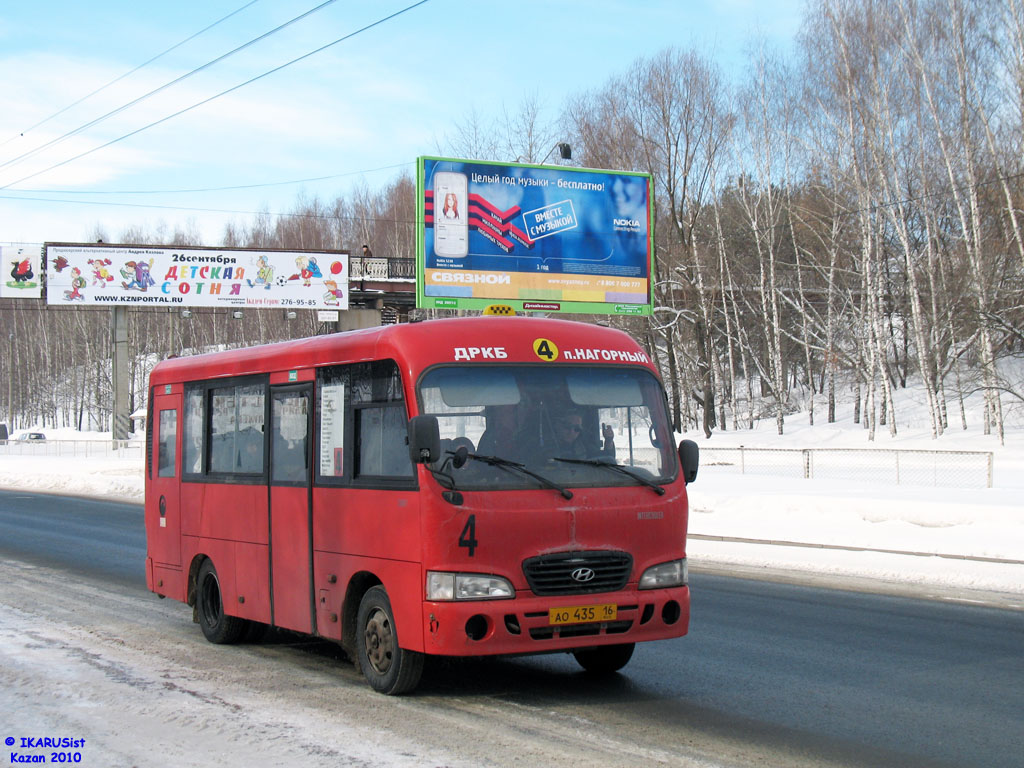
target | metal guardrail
[
  {"x": 115, "y": 449},
  {"x": 961, "y": 469}
]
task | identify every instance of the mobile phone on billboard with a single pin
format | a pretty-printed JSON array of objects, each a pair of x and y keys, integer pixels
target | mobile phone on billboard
[{"x": 451, "y": 214}]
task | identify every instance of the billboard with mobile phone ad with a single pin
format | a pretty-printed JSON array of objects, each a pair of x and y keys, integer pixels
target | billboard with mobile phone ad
[{"x": 536, "y": 237}]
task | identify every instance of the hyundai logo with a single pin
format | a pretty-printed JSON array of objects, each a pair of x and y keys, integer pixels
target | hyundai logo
[{"x": 583, "y": 574}]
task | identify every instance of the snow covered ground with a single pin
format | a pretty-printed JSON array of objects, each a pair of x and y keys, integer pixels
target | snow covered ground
[{"x": 954, "y": 539}]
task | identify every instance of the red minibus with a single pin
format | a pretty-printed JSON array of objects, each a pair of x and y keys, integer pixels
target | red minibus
[{"x": 462, "y": 487}]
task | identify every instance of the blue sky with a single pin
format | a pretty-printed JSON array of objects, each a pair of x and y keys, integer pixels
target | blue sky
[{"x": 359, "y": 112}]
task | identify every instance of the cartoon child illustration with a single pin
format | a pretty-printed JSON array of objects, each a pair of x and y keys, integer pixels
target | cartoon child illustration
[
  {"x": 77, "y": 284},
  {"x": 301, "y": 262},
  {"x": 100, "y": 274},
  {"x": 333, "y": 292},
  {"x": 137, "y": 272},
  {"x": 308, "y": 269},
  {"x": 128, "y": 273},
  {"x": 264, "y": 274}
]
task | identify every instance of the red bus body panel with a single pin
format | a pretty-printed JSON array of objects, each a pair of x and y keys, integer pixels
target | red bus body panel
[{"x": 394, "y": 537}]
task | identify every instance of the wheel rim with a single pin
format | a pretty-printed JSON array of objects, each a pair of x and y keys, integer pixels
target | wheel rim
[
  {"x": 380, "y": 641},
  {"x": 211, "y": 608}
]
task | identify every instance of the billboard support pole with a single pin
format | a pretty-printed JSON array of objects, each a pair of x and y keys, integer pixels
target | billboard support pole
[
  {"x": 10, "y": 380},
  {"x": 119, "y": 339}
]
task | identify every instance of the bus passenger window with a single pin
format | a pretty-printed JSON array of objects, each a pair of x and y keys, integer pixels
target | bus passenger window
[
  {"x": 290, "y": 417},
  {"x": 236, "y": 429},
  {"x": 382, "y": 443},
  {"x": 168, "y": 438},
  {"x": 192, "y": 448},
  {"x": 250, "y": 450}
]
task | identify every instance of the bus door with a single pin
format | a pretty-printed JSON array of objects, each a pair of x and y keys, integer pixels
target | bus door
[
  {"x": 163, "y": 522},
  {"x": 291, "y": 510}
]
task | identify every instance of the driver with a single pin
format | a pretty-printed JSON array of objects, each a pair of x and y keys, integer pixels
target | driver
[{"x": 570, "y": 442}]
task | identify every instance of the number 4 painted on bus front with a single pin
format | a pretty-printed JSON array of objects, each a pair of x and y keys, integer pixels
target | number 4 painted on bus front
[{"x": 468, "y": 536}]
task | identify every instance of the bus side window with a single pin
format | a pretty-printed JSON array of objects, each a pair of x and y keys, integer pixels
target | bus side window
[
  {"x": 382, "y": 442},
  {"x": 168, "y": 438},
  {"x": 192, "y": 448},
  {"x": 362, "y": 405},
  {"x": 236, "y": 429}
]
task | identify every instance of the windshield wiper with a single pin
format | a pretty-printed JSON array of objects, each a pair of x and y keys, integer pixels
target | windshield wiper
[
  {"x": 508, "y": 464},
  {"x": 617, "y": 468}
]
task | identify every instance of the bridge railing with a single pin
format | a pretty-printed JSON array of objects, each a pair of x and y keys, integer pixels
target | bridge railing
[{"x": 375, "y": 268}]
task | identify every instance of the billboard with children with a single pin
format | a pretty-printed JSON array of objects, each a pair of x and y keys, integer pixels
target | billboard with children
[
  {"x": 236, "y": 278},
  {"x": 539, "y": 238}
]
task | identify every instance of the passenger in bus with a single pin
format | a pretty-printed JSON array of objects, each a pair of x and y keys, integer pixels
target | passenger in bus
[
  {"x": 502, "y": 435},
  {"x": 571, "y": 443}
]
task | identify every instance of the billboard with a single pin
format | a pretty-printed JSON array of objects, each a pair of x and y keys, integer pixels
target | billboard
[
  {"x": 539, "y": 238},
  {"x": 22, "y": 271},
  {"x": 139, "y": 275}
]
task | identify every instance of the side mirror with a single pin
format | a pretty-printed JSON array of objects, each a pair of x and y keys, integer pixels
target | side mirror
[
  {"x": 689, "y": 456},
  {"x": 424, "y": 440}
]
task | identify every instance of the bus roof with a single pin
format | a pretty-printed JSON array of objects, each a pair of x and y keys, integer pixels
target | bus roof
[{"x": 416, "y": 346}]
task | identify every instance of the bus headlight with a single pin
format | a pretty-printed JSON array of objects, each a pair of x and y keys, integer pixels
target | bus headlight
[
  {"x": 671, "y": 574},
  {"x": 467, "y": 586}
]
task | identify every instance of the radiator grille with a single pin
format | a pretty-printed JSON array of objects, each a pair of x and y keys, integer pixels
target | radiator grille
[{"x": 553, "y": 574}]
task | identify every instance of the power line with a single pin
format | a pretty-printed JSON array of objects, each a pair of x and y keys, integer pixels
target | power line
[
  {"x": 142, "y": 98},
  {"x": 129, "y": 73},
  {"x": 196, "y": 209},
  {"x": 206, "y": 189},
  {"x": 758, "y": 230},
  {"x": 223, "y": 93}
]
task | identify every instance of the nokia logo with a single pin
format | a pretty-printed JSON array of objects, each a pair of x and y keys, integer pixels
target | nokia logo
[{"x": 583, "y": 575}]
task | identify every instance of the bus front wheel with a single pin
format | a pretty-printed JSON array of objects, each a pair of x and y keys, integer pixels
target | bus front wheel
[
  {"x": 386, "y": 666},
  {"x": 605, "y": 659},
  {"x": 217, "y": 626}
]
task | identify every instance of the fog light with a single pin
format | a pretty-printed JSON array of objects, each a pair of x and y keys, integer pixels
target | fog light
[{"x": 476, "y": 627}]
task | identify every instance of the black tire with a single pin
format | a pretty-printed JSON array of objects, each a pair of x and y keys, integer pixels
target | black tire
[
  {"x": 387, "y": 667},
  {"x": 604, "y": 659},
  {"x": 217, "y": 626}
]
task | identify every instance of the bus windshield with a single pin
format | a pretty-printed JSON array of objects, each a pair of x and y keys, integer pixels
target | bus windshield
[{"x": 565, "y": 423}]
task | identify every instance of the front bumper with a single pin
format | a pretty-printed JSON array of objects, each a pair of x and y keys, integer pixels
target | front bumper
[{"x": 521, "y": 625}]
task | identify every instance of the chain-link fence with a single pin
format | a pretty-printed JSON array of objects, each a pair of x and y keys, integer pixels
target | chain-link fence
[
  {"x": 115, "y": 449},
  {"x": 961, "y": 469}
]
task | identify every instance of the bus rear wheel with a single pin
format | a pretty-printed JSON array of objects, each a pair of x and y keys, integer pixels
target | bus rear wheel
[
  {"x": 386, "y": 666},
  {"x": 217, "y": 626},
  {"x": 605, "y": 659}
]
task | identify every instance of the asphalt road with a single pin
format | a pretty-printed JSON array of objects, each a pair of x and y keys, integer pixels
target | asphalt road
[{"x": 773, "y": 673}]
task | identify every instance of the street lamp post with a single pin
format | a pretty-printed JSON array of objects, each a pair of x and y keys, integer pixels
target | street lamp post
[{"x": 564, "y": 152}]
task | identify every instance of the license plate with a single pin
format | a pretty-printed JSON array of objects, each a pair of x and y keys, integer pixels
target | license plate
[{"x": 581, "y": 614}]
